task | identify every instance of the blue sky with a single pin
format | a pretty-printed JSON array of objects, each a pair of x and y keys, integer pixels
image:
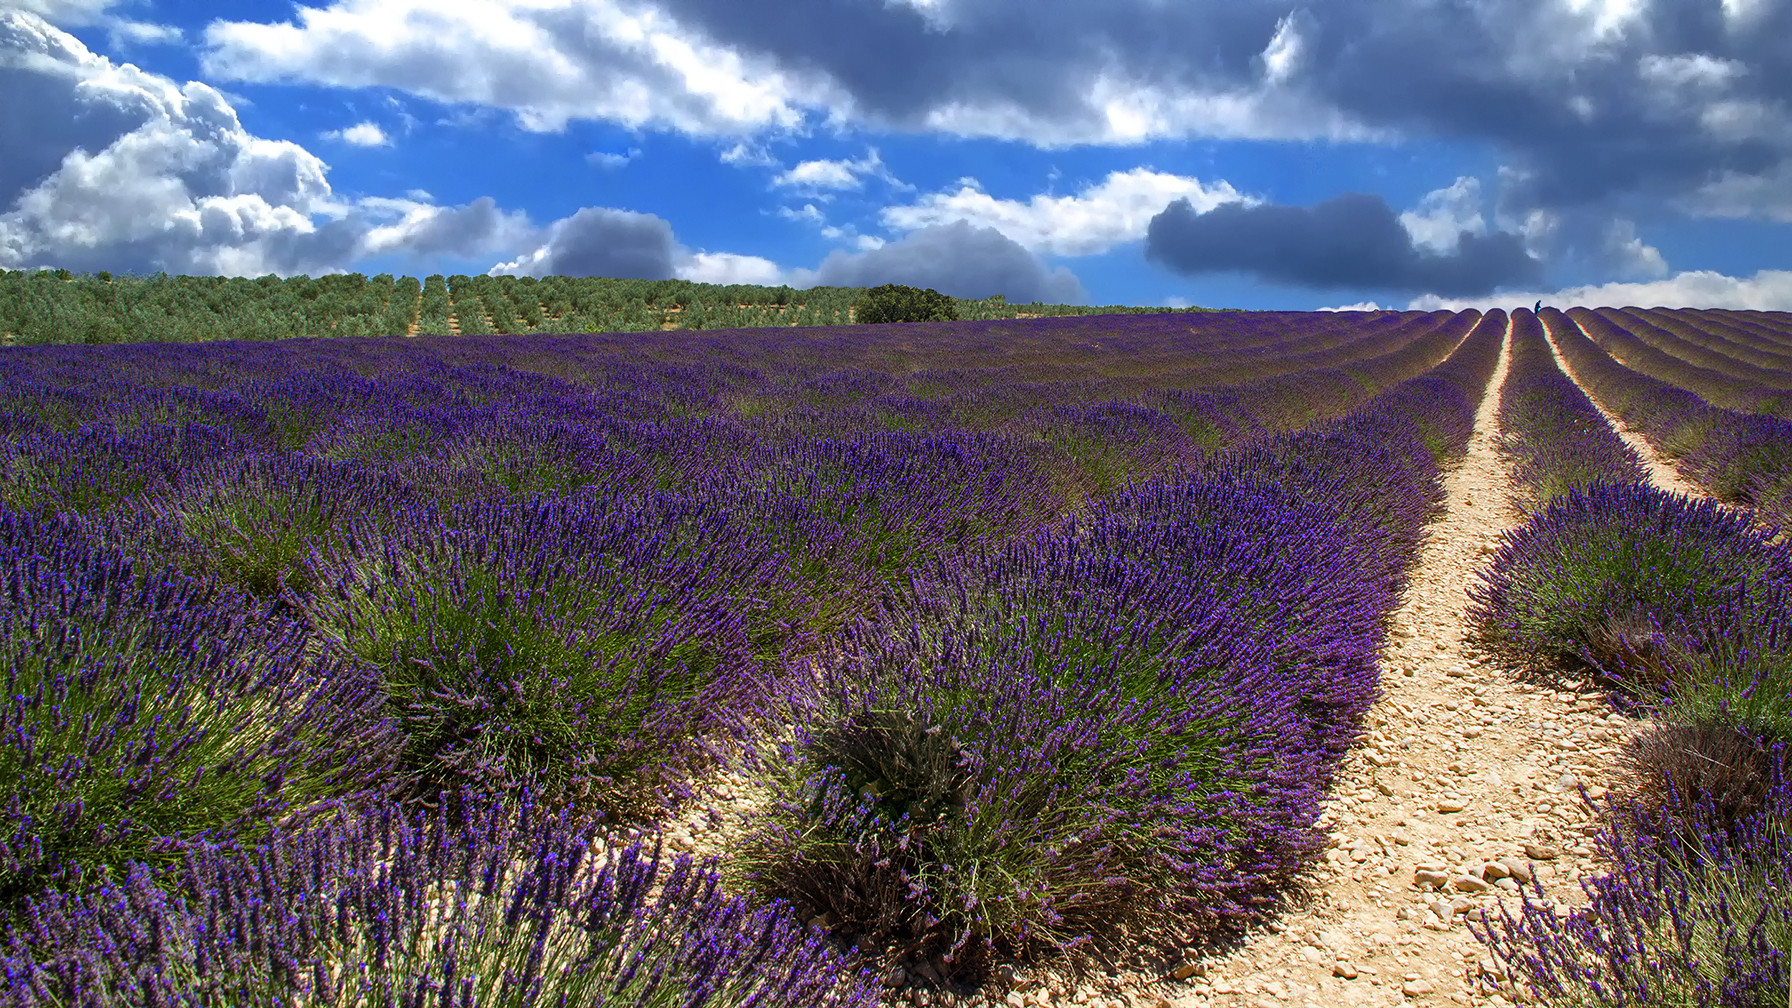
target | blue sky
[{"x": 1228, "y": 153}]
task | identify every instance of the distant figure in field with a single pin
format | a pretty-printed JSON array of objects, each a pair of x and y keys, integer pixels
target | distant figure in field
[{"x": 1538, "y": 308}]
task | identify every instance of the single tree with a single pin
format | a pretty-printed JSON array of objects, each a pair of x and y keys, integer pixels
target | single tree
[{"x": 896, "y": 303}]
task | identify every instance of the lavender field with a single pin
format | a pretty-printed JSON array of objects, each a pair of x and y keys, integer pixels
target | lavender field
[{"x": 368, "y": 670}]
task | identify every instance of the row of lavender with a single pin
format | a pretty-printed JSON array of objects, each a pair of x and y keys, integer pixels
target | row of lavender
[
  {"x": 1736, "y": 457},
  {"x": 1680, "y": 608},
  {"x": 1554, "y": 438},
  {"x": 1106, "y": 357},
  {"x": 725, "y": 373},
  {"x": 1697, "y": 354},
  {"x": 396, "y": 628},
  {"x": 86, "y": 433},
  {"x": 1761, "y": 338}
]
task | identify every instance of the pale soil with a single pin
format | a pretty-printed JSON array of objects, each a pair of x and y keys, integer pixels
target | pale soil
[{"x": 1660, "y": 472}]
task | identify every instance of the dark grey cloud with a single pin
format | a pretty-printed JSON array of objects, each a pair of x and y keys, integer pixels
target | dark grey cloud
[
  {"x": 452, "y": 231},
  {"x": 1038, "y": 57},
  {"x": 1353, "y": 241},
  {"x": 1604, "y": 110},
  {"x": 955, "y": 259},
  {"x": 1589, "y": 121},
  {"x": 602, "y": 242}
]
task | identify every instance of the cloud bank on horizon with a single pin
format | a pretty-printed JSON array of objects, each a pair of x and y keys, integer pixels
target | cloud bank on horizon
[{"x": 1233, "y": 153}]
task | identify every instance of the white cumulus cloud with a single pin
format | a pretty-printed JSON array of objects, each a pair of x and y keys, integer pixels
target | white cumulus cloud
[
  {"x": 727, "y": 268},
  {"x": 122, "y": 169},
  {"x": 1632, "y": 257},
  {"x": 1121, "y": 109},
  {"x": 611, "y": 159},
  {"x": 823, "y": 174},
  {"x": 1766, "y": 290},
  {"x": 1737, "y": 195},
  {"x": 545, "y": 61},
  {"x": 1282, "y": 55},
  {"x": 1443, "y": 214},
  {"x": 362, "y": 134},
  {"x": 1099, "y": 217},
  {"x": 1359, "y": 306}
]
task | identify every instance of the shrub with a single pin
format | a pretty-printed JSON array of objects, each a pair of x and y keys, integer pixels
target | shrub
[
  {"x": 1724, "y": 728},
  {"x": 1605, "y": 579},
  {"x": 300, "y": 404},
  {"x": 1771, "y": 494},
  {"x": 511, "y": 906},
  {"x": 900, "y": 498},
  {"x": 152, "y": 710},
  {"x": 896, "y": 303},
  {"x": 251, "y": 520},
  {"x": 1701, "y": 920},
  {"x": 1688, "y": 766},
  {"x": 95, "y": 470},
  {"x": 529, "y": 452},
  {"x": 1114, "y": 729},
  {"x": 1112, "y": 443},
  {"x": 386, "y": 437},
  {"x": 592, "y": 650}
]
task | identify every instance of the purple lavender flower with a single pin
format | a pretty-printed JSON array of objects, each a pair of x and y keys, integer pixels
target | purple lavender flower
[
  {"x": 1602, "y": 578},
  {"x": 508, "y": 905},
  {"x": 150, "y": 710}
]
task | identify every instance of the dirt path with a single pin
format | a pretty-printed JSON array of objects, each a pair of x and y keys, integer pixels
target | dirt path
[
  {"x": 1465, "y": 763},
  {"x": 1660, "y": 472}
]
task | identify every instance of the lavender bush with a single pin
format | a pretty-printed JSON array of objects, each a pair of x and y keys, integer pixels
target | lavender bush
[
  {"x": 1699, "y": 920},
  {"x": 1107, "y": 444},
  {"x": 252, "y": 519},
  {"x": 94, "y": 470},
  {"x": 148, "y": 710},
  {"x": 1598, "y": 579},
  {"x": 594, "y": 652},
  {"x": 970, "y": 790},
  {"x": 385, "y": 436},
  {"x": 853, "y": 516},
  {"x": 523, "y": 450},
  {"x": 508, "y": 905},
  {"x": 1725, "y": 719}
]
